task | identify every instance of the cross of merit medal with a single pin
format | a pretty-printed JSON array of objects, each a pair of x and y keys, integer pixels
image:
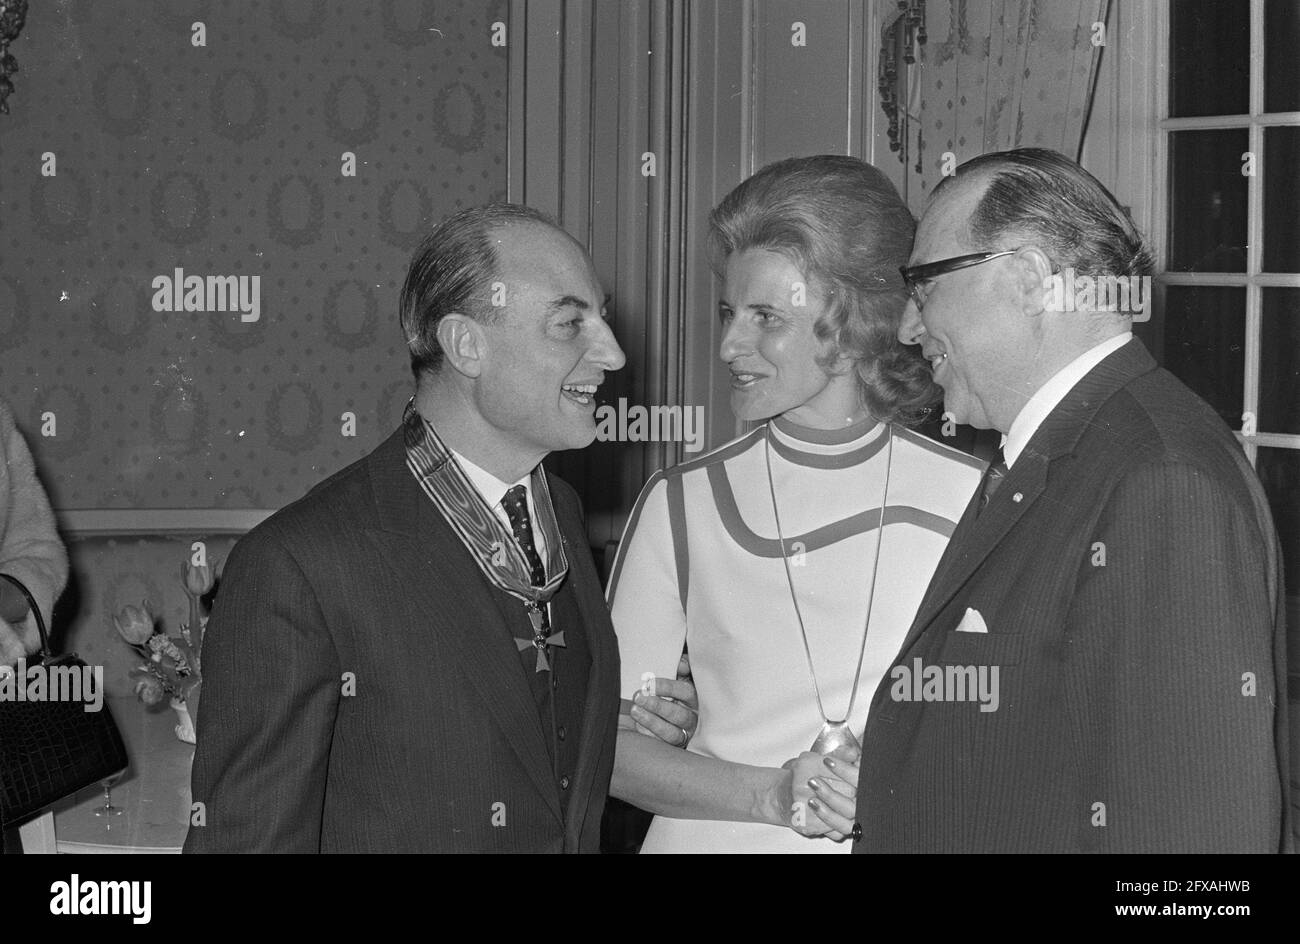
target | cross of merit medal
[{"x": 540, "y": 641}]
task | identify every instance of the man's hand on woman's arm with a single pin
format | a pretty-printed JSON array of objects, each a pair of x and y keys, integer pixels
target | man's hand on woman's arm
[
  {"x": 672, "y": 712},
  {"x": 684, "y": 785}
]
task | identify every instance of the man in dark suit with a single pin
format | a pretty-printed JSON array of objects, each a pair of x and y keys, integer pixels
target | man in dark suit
[
  {"x": 1114, "y": 594},
  {"x": 416, "y": 656}
]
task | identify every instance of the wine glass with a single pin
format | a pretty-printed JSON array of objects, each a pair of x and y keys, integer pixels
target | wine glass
[{"x": 108, "y": 809}]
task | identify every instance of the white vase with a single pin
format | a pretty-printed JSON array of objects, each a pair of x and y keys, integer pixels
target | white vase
[{"x": 185, "y": 725}]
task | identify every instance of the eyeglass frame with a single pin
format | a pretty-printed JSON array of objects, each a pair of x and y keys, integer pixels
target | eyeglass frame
[{"x": 927, "y": 271}]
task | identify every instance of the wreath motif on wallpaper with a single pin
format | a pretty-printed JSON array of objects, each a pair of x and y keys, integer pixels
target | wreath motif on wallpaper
[
  {"x": 368, "y": 128},
  {"x": 253, "y": 332},
  {"x": 354, "y": 340},
  {"x": 390, "y": 233},
  {"x": 298, "y": 29},
  {"x": 158, "y": 422},
  {"x": 423, "y": 31},
  {"x": 64, "y": 444},
  {"x": 110, "y": 340},
  {"x": 107, "y": 79},
  {"x": 77, "y": 224},
  {"x": 275, "y": 433},
  {"x": 22, "y": 316},
  {"x": 256, "y": 123},
  {"x": 198, "y": 225},
  {"x": 310, "y": 232},
  {"x": 460, "y": 143}
]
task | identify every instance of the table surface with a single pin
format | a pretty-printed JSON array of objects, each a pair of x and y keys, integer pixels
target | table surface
[{"x": 154, "y": 792}]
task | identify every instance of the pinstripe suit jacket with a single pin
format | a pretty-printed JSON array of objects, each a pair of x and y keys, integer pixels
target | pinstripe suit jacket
[
  {"x": 1130, "y": 580},
  {"x": 441, "y": 748}
]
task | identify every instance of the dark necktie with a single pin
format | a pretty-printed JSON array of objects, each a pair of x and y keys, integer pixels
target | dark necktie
[
  {"x": 515, "y": 502},
  {"x": 993, "y": 478}
]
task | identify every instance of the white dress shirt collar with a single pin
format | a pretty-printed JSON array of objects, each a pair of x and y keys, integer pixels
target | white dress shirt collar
[
  {"x": 494, "y": 489},
  {"x": 489, "y": 486},
  {"x": 1045, "y": 400}
]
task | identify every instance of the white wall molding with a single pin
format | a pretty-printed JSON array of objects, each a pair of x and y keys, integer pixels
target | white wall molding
[{"x": 160, "y": 522}]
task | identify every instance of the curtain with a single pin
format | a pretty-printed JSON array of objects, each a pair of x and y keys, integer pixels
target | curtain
[{"x": 999, "y": 74}]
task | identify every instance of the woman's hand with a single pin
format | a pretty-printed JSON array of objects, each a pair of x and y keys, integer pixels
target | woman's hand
[
  {"x": 806, "y": 810},
  {"x": 671, "y": 713},
  {"x": 835, "y": 797}
]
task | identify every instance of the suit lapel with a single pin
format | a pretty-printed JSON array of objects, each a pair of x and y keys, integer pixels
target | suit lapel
[
  {"x": 978, "y": 534},
  {"x": 445, "y": 582}
]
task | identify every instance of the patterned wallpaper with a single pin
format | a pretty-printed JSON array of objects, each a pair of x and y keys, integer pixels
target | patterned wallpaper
[{"x": 131, "y": 153}]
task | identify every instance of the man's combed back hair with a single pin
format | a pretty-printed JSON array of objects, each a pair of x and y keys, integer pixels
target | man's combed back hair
[
  {"x": 452, "y": 271},
  {"x": 1041, "y": 198},
  {"x": 841, "y": 223}
]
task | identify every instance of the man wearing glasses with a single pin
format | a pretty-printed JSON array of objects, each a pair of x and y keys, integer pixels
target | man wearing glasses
[{"x": 1120, "y": 570}]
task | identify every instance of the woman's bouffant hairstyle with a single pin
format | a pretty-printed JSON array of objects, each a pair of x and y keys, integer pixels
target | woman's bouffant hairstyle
[{"x": 841, "y": 223}]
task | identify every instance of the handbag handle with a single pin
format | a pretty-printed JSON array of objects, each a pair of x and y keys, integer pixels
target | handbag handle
[{"x": 36, "y": 612}]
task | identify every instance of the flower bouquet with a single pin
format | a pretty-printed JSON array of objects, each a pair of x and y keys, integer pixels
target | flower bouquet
[{"x": 172, "y": 667}]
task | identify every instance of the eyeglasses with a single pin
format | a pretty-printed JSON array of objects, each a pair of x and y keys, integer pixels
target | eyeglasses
[{"x": 913, "y": 276}]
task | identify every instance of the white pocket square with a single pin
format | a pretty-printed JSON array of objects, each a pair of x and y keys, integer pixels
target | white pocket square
[{"x": 972, "y": 622}]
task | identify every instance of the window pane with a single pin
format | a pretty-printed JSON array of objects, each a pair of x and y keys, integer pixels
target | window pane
[
  {"x": 1279, "y": 368},
  {"x": 1281, "y": 200},
  {"x": 1205, "y": 342},
  {"x": 1207, "y": 201},
  {"x": 1281, "y": 64},
  {"x": 1209, "y": 54},
  {"x": 1279, "y": 470}
]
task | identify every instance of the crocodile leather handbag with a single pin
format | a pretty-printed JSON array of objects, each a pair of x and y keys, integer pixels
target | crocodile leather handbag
[{"x": 50, "y": 748}]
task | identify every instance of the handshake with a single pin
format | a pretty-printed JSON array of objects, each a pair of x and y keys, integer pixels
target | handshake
[
  {"x": 821, "y": 793},
  {"x": 815, "y": 794}
]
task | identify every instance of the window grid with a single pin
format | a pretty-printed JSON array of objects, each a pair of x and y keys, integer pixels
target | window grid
[{"x": 1253, "y": 279}]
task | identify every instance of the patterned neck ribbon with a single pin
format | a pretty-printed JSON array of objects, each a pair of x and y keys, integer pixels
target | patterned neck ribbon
[{"x": 493, "y": 547}]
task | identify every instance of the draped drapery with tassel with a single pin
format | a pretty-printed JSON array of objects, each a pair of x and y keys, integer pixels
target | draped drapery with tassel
[{"x": 998, "y": 74}]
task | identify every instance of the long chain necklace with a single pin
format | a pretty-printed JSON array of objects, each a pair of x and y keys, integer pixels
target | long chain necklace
[{"x": 835, "y": 736}]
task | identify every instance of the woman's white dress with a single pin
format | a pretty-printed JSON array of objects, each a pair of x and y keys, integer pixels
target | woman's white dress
[{"x": 700, "y": 564}]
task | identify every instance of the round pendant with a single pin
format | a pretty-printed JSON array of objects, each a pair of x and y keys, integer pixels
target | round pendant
[{"x": 837, "y": 739}]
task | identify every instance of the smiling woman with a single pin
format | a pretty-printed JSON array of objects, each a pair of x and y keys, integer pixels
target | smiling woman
[
  {"x": 765, "y": 556},
  {"x": 771, "y": 346}
]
